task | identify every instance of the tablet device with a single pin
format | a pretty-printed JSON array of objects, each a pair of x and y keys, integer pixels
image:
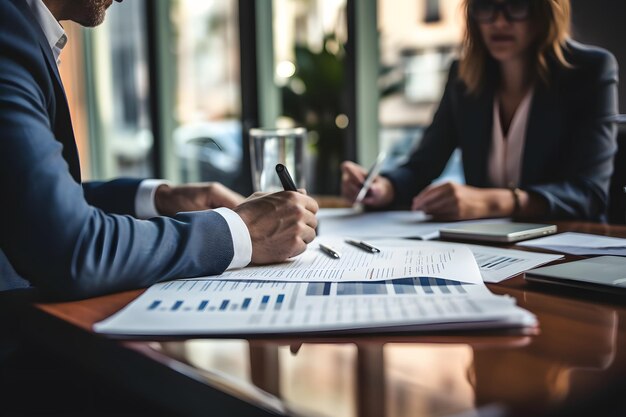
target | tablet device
[
  {"x": 603, "y": 273},
  {"x": 497, "y": 232}
]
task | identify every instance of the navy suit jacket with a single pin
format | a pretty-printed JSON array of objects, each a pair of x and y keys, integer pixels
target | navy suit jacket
[
  {"x": 68, "y": 239},
  {"x": 569, "y": 148}
]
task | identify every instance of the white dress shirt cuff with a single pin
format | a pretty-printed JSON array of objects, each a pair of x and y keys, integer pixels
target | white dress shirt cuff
[
  {"x": 144, "y": 199},
  {"x": 242, "y": 244}
]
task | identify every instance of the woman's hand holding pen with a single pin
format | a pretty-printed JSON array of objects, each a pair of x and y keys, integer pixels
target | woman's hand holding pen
[
  {"x": 380, "y": 194},
  {"x": 280, "y": 224}
]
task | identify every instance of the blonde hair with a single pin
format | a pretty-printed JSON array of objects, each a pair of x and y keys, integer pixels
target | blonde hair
[{"x": 552, "y": 18}]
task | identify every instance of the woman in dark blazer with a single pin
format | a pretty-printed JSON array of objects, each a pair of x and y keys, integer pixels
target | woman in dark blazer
[{"x": 530, "y": 110}]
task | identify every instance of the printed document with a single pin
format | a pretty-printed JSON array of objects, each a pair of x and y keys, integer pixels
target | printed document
[
  {"x": 495, "y": 264},
  {"x": 397, "y": 259},
  {"x": 580, "y": 244},
  {"x": 206, "y": 307},
  {"x": 498, "y": 264},
  {"x": 383, "y": 224}
]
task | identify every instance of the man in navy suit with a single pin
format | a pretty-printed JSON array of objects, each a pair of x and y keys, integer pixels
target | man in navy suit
[{"x": 74, "y": 239}]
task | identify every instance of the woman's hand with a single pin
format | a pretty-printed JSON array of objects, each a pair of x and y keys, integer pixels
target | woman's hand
[
  {"x": 452, "y": 201},
  {"x": 380, "y": 194}
]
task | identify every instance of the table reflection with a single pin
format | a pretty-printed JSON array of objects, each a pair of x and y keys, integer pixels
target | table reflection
[
  {"x": 420, "y": 375},
  {"x": 577, "y": 340}
]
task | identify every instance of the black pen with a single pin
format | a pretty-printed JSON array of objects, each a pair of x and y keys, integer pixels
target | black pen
[
  {"x": 329, "y": 251},
  {"x": 362, "y": 245},
  {"x": 285, "y": 178}
]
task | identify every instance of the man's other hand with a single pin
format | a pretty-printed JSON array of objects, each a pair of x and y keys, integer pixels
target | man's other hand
[
  {"x": 170, "y": 200},
  {"x": 280, "y": 224}
]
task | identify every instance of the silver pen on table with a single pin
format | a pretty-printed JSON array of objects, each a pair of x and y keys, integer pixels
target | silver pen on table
[
  {"x": 362, "y": 245},
  {"x": 329, "y": 251}
]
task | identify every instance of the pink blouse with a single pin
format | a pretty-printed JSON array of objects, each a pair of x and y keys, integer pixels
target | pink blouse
[{"x": 505, "y": 158}]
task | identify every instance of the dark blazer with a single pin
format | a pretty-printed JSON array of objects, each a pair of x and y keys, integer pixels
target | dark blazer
[
  {"x": 64, "y": 238},
  {"x": 569, "y": 148}
]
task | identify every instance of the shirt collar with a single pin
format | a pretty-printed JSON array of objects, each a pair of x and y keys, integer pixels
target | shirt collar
[{"x": 52, "y": 29}]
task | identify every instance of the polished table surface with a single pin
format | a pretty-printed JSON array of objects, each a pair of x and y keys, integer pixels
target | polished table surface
[{"x": 578, "y": 351}]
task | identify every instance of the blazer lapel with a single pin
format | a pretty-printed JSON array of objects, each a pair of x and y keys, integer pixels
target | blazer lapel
[
  {"x": 62, "y": 121},
  {"x": 542, "y": 132},
  {"x": 479, "y": 121}
]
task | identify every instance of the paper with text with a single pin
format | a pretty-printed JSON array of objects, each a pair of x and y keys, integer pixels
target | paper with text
[
  {"x": 495, "y": 264},
  {"x": 205, "y": 307},
  {"x": 580, "y": 244},
  {"x": 384, "y": 224},
  {"x": 416, "y": 258}
]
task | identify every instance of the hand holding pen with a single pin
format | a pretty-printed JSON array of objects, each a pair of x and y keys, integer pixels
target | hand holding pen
[
  {"x": 285, "y": 178},
  {"x": 376, "y": 190},
  {"x": 280, "y": 224},
  {"x": 369, "y": 179}
]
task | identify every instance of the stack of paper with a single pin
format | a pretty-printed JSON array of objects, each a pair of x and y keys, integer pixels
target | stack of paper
[
  {"x": 580, "y": 244},
  {"x": 413, "y": 287},
  {"x": 495, "y": 264},
  {"x": 384, "y": 224}
]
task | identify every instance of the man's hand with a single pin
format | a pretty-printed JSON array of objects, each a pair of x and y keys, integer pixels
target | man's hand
[
  {"x": 452, "y": 201},
  {"x": 280, "y": 224},
  {"x": 194, "y": 197},
  {"x": 380, "y": 194}
]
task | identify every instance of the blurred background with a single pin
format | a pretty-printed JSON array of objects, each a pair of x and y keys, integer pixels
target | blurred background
[{"x": 170, "y": 88}]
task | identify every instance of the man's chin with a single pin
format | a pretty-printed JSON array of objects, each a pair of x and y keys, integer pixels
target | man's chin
[
  {"x": 90, "y": 23},
  {"x": 92, "y": 20},
  {"x": 93, "y": 14}
]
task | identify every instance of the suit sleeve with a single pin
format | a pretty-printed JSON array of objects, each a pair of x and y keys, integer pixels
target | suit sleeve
[
  {"x": 49, "y": 232},
  {"x": 116, "y": 196},
  {"x": 587, "y": 161},
  {"x": 427, "y": 162}
]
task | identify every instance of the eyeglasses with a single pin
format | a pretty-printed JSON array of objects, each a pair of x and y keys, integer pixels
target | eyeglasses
[{"x": 486, "y": 11}]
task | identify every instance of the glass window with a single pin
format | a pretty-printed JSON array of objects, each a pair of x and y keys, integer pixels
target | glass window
[
  {"x": 309, "y": 39},
  {"x": 120, "y": 115},
  {"x": 418, "y": 41},
  {"x": 207, "y": 139}
]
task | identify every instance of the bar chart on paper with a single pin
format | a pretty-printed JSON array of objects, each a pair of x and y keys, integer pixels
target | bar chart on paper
[
  {"x": 240, "y": 307},
  {"x": 498, "y": 264},
  {"x": 234, "y": 296}
]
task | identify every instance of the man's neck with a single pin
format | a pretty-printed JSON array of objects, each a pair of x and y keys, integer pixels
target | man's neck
[{"x": 56, "y": 7}]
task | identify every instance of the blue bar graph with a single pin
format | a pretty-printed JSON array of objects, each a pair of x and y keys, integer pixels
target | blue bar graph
[
  {"x": 203, "y": 305},
  {"x": 154, "y": 305},
  {"x": 361, "y": 288},
  {"x": 279, "y": 301},
  {"x": 326, "y": 288},
  {"x": 458, "y": 286},
  {"x": 264, "y": 301},
  {"x": 441, "y": 283},
  {"x": 177, "y": 305},
  {"x": 404, "y": 286},
  {"x": 246, "y": 303},
  {"x": 318, "y": 288},
  {"x": 224, "y": 305},
  {"x": 426, "y": 285}
]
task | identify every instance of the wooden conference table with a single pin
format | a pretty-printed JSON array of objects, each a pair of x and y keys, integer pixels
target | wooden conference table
[{"x": 578, "y": 354}]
